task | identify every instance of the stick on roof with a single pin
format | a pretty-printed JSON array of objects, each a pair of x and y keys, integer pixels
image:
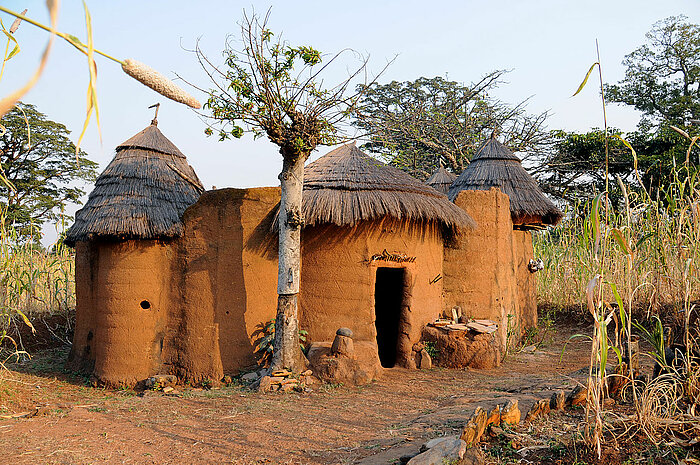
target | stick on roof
[
  {"x": 346, "y": 186},
  {"x": 142, "y": 193},
  {"x": 495, "y": 165}
]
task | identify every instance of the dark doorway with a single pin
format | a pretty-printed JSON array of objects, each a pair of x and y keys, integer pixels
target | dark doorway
[{"x": 388, "y": 299}]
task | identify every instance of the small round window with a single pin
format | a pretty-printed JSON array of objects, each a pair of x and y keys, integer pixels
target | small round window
[{"x": 145, "y": 304}]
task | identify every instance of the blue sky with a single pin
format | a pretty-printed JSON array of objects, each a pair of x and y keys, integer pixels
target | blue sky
[{"x": 548, "y": 44}]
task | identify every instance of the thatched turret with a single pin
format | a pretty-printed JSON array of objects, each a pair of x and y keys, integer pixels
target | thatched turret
[
  {"x": 346, "y": 186},
  {"x": 441, "y": 180},
  {"x": 141, "y": 194},
  {"x": 495, "y": 165}
]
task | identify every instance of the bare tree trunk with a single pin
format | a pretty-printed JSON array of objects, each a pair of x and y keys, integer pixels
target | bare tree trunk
[{"x": 287, "y": 353}]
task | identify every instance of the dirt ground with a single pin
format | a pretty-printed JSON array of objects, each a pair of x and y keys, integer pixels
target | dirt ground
[{"x": 374, "y": 424}]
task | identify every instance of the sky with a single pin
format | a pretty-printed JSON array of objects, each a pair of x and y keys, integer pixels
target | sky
[{"x": 547, "y": 44}]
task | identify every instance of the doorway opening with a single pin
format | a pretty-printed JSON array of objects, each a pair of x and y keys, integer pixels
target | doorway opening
[{"x": 388, "y": 301}]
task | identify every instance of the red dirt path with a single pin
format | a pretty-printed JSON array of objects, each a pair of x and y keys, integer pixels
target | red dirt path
[{"x": 331, "y": 425}]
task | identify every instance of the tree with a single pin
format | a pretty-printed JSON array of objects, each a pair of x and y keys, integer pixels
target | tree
[
  {"x": 40, "y": 168},
  {"x": 419, "y": 125},
  {"x": 662, "y": 79},
  {"x": 273, "y": 89}
]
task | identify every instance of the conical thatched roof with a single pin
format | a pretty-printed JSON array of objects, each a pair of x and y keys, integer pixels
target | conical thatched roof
[
  {"x": 141, "y": 194},
  {"x": 495, "y": 165},
  {"x": 347, "y": 186},
  {"x": 441, "y": 180}
]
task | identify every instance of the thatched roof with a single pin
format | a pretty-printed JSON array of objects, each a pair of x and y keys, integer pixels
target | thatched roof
[
  {"x": 441, "y": 180},
  {"x": 347, "y": 186},
  {"x": 495, "y": 165},
  {"x": 141, "y": 194}
]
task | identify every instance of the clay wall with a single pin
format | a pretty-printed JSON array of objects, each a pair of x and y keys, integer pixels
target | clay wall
[
  {"x": 338, "y": 279},
  {"x": 82, "y": 354},
  {"x": 229, "y": 272},
  {"x": 480, "y": 275},
  {"x": 124, "y": 297},
  {"x": 527, "y": 282}
]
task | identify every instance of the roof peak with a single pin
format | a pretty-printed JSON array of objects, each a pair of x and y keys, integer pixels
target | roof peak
[{"x": 151, "y": 138}]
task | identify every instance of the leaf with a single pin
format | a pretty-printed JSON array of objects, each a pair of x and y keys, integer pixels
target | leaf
[
  {"x": 621, "y": 241},
  {"x": 26, "y": 320},
  {"x": 585, "y": 80},
  {"x": 92, "y": 85},
  {"x": 620, "y": 306}
]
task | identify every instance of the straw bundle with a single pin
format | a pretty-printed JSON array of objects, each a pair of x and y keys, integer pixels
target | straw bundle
[
  {"x": 495, "y": 165},
  {"x": 142, "y": 193}
]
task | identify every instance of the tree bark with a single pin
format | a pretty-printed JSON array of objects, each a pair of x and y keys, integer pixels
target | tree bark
[{"x": 287, "y": 353}]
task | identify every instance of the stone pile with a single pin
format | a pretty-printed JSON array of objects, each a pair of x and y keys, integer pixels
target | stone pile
[{"x": 284, "y": 381}]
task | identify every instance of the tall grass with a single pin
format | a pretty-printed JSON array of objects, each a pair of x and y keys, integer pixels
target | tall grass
[
  {"x": 33, "y": 280},
  {"x": 664, "y": 233}
]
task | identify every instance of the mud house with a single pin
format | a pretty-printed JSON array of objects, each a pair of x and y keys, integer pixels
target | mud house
[
  {"x": 174, "y": 279},
  {"x": 508, "y": 205}
]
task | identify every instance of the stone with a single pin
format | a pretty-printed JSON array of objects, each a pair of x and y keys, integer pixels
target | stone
[
  {"x": 307, "y": 373},
  {"x": 281, "y": 373},
  {"x": 343, "y": 345},
  {"x": 276, "y": 379},
  {"x": 249, "y": 377},
  {"x": 288, "y": 387},
  {"x": 289, "y": 381},
  {"x": 435, "y": 441},
  {"x": 168, "y": 389},
  {"x": 494, "y": 417},
  {"x": 347, "y": 332},
  {"x": 470, "y": 433},
  {"x": 556, "y": 402},
  {"x": 577, "y": 396},
  {"x": 342, "y": 369},
  {"x": 161, "y": 381},
  {"x": 510, "y": 414},
  {"x": 473, "y": 456},
  {"x": 538, "y": 409},
  {"x": 265, "y": 384},
  {"x": 173, "y": 393},
  {"x": 449, "y": 451},
  {"x": 426, "y": 363},
  {"x": 479, "y": 419}
]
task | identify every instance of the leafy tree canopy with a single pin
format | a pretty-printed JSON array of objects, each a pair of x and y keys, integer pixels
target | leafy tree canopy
[
  {"x": 418, "y": 125},
  {"x": 40, "y": 168},
  {"x": 662, "y": 79}
]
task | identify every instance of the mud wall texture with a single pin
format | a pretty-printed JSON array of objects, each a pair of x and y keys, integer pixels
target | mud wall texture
[
  {"x": 194, "y": 306},
  {"x": 527, "y": 282},
  {"x": 338, "y": 279},
  {"x": 228, "y": 268},
  {"x": 479, "y": 270},
  {"x": 124, "y": 294}
]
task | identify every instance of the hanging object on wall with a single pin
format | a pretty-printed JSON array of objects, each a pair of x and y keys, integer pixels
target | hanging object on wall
[{"x": 386, "y": 256}]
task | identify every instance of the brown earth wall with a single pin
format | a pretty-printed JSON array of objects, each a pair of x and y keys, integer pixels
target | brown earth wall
[
  {"x": 338, "y": 279},
  {"x": 479, "y": 270},
  {"x": 229, "y": 269},
  {"x": 211, "y": 290},
  {"x": 527, "y": 282},
  {"x": 82, "y": 354},
  {"x": 113, "y": 328}
]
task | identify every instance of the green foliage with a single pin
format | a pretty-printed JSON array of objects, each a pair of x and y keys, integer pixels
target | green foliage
[
  {"x": 419, "y": 125},
  {"x": 39, "y": 162},
  {"x": 269, "y": 88},
  {"x": 662, "y": 78},
  {"x": 432, "y": 350},
  {"x": 264, "y": 344}
]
